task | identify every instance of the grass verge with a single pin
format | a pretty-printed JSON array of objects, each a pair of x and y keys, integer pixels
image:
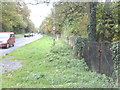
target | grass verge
[
  {"x": 19, "y": 35},
  {"x": 47, "y": 66}
]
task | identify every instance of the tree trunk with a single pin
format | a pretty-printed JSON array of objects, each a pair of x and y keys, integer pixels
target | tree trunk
[{"x": 92, "y": 22}]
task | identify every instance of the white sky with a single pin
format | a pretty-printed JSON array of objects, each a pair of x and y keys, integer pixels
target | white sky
[{"x": 39, "y": 12}]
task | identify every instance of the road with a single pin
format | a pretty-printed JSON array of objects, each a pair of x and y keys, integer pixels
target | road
[{"x": 18, "y": 43}]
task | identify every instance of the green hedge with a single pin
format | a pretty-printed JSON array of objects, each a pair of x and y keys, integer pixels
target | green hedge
[
  {"x": 116, "y": 55},
  {"x": 79, "y": 47}
]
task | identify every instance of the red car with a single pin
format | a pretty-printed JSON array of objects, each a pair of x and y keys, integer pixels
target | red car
[{"x": 7, "y": 39}]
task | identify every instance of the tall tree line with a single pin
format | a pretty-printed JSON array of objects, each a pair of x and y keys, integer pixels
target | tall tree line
[
  {"x": 95, "y": 21},
  {"x": 15, "y": 18}
]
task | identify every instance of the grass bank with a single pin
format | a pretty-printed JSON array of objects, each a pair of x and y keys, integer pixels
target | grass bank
[
  {"x": 19, "y": 35},
  {"x": 47, "y": 66}
]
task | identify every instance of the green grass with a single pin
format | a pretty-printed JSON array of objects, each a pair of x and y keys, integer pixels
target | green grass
[
  {"x": 19, "y": 35},
  {"x": 47, "y": 66}
]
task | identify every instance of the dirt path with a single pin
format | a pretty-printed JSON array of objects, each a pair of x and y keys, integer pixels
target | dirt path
[{"x": 7, "y": 65}]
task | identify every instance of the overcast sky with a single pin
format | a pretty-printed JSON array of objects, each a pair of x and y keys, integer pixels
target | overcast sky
[{"x": 39, "y": 12}]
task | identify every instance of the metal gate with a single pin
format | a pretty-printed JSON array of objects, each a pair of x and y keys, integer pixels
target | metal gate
[{"x": 99, "y": 57}]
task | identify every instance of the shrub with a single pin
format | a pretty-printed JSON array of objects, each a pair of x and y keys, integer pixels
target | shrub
[
  {"x": 115, "y": 56},
  {"x": 79, "y": 47}
]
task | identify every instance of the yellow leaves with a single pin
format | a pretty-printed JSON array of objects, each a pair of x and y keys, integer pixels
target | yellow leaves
[{"x": 11, "y": 23}]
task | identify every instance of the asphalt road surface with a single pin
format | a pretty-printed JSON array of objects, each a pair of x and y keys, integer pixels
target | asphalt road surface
[{"x": 18, "y": 43}]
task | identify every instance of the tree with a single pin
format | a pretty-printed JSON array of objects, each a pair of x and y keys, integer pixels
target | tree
[
  {"x": 72, "y": 20},
  {"x": 15, "y": 17},
  {"x": 107, "y": 22},
  {"x": 92, "y": 22}
]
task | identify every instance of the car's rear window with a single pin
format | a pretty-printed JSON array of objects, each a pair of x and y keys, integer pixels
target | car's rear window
[{"x": 4, "y": 35}]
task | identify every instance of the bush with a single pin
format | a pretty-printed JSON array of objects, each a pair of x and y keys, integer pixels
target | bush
[
  {"x": 79, "y": 47},
  {"x": 115, "y": 56},
  {"x": 73, "y": 71}
]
